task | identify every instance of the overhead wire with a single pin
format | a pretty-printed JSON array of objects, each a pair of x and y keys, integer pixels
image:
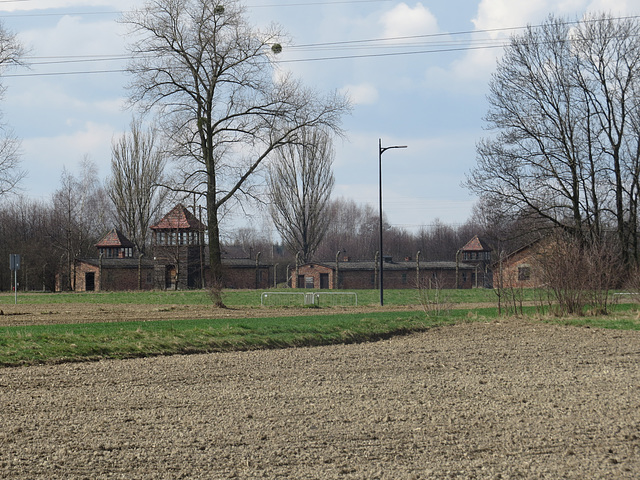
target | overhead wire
[
  {"x": 444, "y": 42},
  {"x": 120, "y": 12}
]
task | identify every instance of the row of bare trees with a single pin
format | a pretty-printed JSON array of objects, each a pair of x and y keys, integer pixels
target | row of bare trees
[
  {"x": 51, "y": 235},
  {"x": 565, "y": 111},
  {"x": 353, "y": 233}
]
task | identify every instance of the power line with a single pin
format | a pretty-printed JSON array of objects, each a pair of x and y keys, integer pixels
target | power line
[
  {"x": 120, "y": 12},
  {"x": 55, "y": 74},
  {"x": 375, "y": 43},
  {"x": 392, "y": 54},
  {"x": 318, "y": 59}
]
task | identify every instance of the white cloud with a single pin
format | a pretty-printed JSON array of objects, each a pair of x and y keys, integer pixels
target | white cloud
[
  {"x": 362, "y": 94},
  {"x": 615, "y": 7},
  {"x": 97, "y": 37},
  {"x": 58, "y": 4},
  {"x": 406, "y": 21},
  {"x": 471, "y": 73},
  {"x": 45, "y": 157},
  {"x": 495, "y": 14}
]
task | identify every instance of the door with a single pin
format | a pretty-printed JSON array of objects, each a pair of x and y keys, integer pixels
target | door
[
  {"x": 170, "y": 275},
  {"x": 90, "y": 281},
  {"x": 324, "y": 281}
]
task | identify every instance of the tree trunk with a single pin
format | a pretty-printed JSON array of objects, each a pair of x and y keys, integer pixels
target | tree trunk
[{"x": 215, "y": 253}]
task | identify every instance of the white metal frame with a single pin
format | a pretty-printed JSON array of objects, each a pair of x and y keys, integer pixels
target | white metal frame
[{"x": 309, "y": 298}]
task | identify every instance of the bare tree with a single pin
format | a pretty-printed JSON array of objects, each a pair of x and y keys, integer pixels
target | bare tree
[
  {"x": 10, "y": 173},
  {"x": 563, "y": 102},
  {"x": 353, "y": 230},
  {"x": 210, "y": 76},
  {"x": 137, "y": 167},
  {"x": 300, "y": 185},
  {"x": 608, "y": 53},
  {"x": 81, "y": 213},
  {"x": 24, "y": 229}
]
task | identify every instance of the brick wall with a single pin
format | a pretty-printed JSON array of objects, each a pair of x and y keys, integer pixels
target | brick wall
[
  {"x": 247, "y": 277},
  {"x": 112, "y": 279},
  {"x": 309, "y": 277}
]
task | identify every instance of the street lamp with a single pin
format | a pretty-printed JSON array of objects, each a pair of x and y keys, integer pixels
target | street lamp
[{"x": 381, "y": 150}]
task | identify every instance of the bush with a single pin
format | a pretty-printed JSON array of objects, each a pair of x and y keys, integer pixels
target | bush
[{"x": 578, "y": 275}]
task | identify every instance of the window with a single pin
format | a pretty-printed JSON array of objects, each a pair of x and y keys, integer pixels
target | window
[
  {"x": 524, "y": 273},
  {"x": 404, "y": 278},
  {"x": 308, "y": 282}
]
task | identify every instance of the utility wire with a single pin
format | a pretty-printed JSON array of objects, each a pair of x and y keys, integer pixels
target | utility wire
[
  {"x": 120, "y": 12},
  {"x": 375, "y": 43}
]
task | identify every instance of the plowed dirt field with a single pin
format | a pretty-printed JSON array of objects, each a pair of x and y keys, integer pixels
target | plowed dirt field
[{"x": 509, "y": 399}]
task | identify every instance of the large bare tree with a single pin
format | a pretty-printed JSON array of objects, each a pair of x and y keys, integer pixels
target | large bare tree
[
  {"x": 210, "y": 76},
  {"x": 564, "y": 106},
  {"x": 137, "y": 167},
  {"x": 300, "y": 185}
]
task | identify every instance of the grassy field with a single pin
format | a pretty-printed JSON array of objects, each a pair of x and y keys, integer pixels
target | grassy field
[
  {"x": 32, "y": 344},
  {"x": 57, "y": 343}
]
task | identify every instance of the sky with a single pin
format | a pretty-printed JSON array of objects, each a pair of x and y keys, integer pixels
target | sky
[{"x": 417, "y": 74}]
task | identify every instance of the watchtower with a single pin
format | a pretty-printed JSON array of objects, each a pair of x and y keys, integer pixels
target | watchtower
[{"x": 178, "y": 241}]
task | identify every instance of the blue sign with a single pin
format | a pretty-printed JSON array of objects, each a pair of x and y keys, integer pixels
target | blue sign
[{"x": 14, "y": 261}]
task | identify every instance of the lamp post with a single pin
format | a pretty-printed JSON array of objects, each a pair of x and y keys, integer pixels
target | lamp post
[{"x": 381, "y": 150}]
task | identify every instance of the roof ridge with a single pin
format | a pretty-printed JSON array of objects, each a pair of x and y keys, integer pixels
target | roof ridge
[
  {"x": 179, "y": 218},
  {"x": 115, "y": 238}
]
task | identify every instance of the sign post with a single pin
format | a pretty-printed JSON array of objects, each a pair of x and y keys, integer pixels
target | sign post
[{"x": 14, "y": 264}]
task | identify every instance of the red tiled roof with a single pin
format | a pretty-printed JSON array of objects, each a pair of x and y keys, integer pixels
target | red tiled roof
[
  {"x": 179, "y": 218},
  {"x": 115, "y": 238},
  {"x": 476, "y": 245}
]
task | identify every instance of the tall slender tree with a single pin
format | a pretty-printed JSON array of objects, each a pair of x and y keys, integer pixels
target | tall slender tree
[
  {"x": 137, "y": 170},
  {"x": 300, "y": 185}
]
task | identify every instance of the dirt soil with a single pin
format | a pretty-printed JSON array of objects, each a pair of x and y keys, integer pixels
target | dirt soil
[
  {"x": 67, "y": 313},
  {"x": 510, "y": 399}
]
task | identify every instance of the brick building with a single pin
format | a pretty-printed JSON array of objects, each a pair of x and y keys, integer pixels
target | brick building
[
  {"x": 477, "y": 253},
  {"x": 521, "y": 269},
  {"x": 364, "y": 275},
  {"x": 178, "y": 246},
  {"x": 115, "y": 268},
  {"x": 180, "y": 260}
]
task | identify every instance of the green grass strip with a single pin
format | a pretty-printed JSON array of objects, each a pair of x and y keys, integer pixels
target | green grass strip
[
  {"x": 50, "y": 344},
  {"x": 28, "y": 345}
]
